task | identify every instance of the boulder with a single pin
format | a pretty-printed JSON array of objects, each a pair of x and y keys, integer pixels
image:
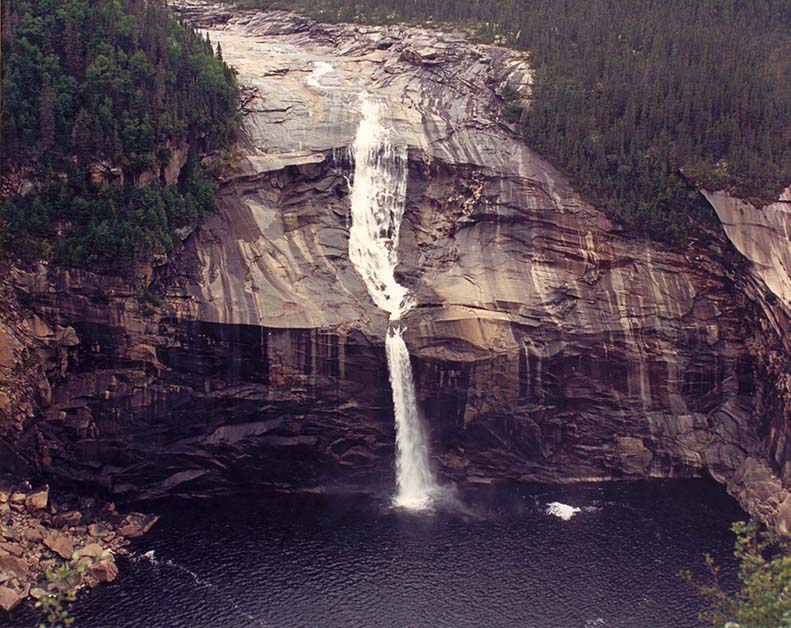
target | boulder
[
  {"x": 34, "y": 534},
  {"x": 98, "y": 530},
  {"x": 37, "y": 500},
  {"x": 60, "y": 544},
  {"x": 9, "y": 599},
  {"x": 13, "y": 549},
  {"x": 93, "y": 550},
  {"x": 136, "y": 524},
  {"x": 104, "y": 570},
  {"x": 15, "y": 565},
  {"x": 67, "y": 519}
]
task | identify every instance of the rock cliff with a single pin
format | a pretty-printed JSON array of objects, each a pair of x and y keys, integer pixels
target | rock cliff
[
  {"x": 546, "y": 345},
  {"x": 761, "y": 235}
]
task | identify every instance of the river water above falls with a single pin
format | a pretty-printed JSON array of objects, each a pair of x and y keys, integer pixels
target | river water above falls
[{"x": 308, "y": 561}]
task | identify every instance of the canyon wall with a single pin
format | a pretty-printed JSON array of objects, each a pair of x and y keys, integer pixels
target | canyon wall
[{"x": 546, "y": 344}]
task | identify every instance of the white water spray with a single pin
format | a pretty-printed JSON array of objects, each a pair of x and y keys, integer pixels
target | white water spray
[
  {"x": 319, "y": 69},
  {"x": 378, "y": 195},
  {"x": 562, "y": 511},
  {"x": 377, "y": 203}
]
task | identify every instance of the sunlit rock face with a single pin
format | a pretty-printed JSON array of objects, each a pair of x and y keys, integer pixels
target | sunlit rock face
[
  {"x": 545, "y": 344},
  {"x": 762, "y": 235}
]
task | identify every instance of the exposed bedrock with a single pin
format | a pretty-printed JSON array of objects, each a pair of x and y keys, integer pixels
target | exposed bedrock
[
  {"x": 154, "y": 403},
  {"x": 546, "y": 346},
  {"x": 763, "y": 237}
]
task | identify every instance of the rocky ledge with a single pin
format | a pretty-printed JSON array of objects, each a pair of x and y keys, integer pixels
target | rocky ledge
[{"x": 39, "y": 533}]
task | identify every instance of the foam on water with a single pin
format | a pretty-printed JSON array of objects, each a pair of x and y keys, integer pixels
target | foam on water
[
  {"x": 562, "y": 511},
  {"x": 150, "y": 557}
]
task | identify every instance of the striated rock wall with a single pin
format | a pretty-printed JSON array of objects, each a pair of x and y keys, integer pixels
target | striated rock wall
[
  {"x": 546, "y": 345},
  {"x": 153, "y": 402},
  {"x": 762, "y": 236},
  {"x": 573, "y": 348}
]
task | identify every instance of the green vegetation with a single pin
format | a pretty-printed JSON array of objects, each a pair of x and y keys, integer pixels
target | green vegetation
[
  {"x": 112, "y": 87},
  {"x": 63, "y": 585},
  {"x": 103, "y": 229},
  {"x": 638, "y": 101},
  {"x": 764, "y": 596}
]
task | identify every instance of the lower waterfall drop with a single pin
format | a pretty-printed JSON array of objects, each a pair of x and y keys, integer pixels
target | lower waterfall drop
[
  {"x": 416, "y": 486},
  {"x": 377, "y": 206}
]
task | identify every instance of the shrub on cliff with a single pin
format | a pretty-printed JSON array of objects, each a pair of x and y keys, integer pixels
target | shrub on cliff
[
  {"x": 763, "y": 599},
  {"x": 108, "y": 88}
]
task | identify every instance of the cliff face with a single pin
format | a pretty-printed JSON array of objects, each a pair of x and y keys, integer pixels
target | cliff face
[
  {"x": 762, "y": 235},
  {"x": 546, "y": 346}
]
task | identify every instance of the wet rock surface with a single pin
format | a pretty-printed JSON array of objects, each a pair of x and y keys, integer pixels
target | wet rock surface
[{"x": 546, "y": 345}]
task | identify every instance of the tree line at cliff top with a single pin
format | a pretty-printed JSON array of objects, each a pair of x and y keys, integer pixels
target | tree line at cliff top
[
  {"x": 638, "y": 101},
  {"x": 115, "y": 83}
]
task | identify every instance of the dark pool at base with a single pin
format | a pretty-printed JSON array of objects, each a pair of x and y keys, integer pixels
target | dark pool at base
[{"x": 308, "y": 561}]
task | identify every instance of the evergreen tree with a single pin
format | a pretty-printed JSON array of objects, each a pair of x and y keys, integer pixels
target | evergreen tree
[
  {"x": 46, "y": 115},
  {"x": 103, "y": 85}
]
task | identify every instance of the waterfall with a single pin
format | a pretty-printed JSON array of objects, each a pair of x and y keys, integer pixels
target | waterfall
[
  {"x": 416, "y": 486},
  {"x": 378, "y": 195},
  {"x": 377, "y": 207}
]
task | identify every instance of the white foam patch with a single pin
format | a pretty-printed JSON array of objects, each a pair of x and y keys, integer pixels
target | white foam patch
[
  {"x": 320, "y": 69},
  {"x": 562, "y": 511}
]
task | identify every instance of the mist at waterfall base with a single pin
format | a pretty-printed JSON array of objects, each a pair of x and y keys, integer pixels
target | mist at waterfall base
[{"x": 346, "y": 561}]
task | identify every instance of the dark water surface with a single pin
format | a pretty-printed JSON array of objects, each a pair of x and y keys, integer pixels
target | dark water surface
[{"x": 352, "y": 562}]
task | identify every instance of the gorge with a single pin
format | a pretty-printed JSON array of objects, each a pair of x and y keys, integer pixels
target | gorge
[{"x": 539, "y": 342}]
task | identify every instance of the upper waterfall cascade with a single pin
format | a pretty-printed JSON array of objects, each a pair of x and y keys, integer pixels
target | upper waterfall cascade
[
  {"x": 377, "y": 208},
  {"x": 377, "y": 205}
]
